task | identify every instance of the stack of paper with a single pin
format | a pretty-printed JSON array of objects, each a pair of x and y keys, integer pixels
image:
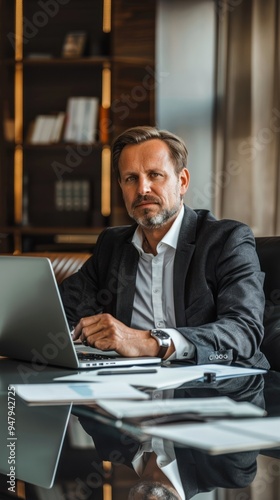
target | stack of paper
[
  {"x": 157, "y": 411},
  {"x": 165, "y": 377},
  {"x": 222, "y": 436},
  {"x": 55, "y": 394}
]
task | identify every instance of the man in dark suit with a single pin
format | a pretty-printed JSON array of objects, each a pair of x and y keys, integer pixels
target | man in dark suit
[{"x": 178, "y": 284}]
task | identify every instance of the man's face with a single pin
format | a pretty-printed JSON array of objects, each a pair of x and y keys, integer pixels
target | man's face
[{"x": 152, "y": 191}]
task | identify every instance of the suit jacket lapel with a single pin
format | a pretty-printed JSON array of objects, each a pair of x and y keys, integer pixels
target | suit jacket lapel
[{"x": 184, "y": 252}]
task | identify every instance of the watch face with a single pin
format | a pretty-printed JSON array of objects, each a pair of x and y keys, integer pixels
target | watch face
[
  {"x": 161, "y": 335},
  {"x": 163, "y": 339}
]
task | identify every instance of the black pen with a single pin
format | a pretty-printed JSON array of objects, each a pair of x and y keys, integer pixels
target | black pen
[{"x": 127, "y": 372}]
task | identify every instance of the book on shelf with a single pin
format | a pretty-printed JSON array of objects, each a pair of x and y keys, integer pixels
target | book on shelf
[
  {"x": 46, "y": 132},
  {"x": 72, "y": 195},
  {"x": 81, "y": 120},
  {"x": 77, "y": 124},
  {"x": 47, "y": 129},
  {"x": 37, "y": 128},
  {"x": 68, "y": 196},
  {"x": 70, "y": 123},
  {"x": 58, "y": 127}
]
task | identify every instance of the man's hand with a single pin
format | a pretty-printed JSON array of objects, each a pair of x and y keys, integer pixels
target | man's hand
[{"x": 105, "y": 332}]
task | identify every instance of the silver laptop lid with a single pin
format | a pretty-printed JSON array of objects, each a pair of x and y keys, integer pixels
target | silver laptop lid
[{"x": 33, "y": 325}]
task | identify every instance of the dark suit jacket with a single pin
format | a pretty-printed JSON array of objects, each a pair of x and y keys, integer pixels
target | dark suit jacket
[{"x": 218, "y": 286}]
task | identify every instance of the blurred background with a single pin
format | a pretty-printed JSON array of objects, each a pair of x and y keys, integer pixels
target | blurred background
[
  {"x": 76, "y": 73},
  {"x": 207, "y": 70},
  {"x": 220, "y": 92}
]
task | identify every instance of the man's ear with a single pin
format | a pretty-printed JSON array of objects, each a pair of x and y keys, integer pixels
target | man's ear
[{"x": 184, "y": 177}]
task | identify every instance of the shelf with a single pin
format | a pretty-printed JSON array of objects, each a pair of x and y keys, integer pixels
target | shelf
[
  {"x": 117, "y": 60},
  {"x": 81, "y": 61},
  {"x": 63, "y": 145},
  {"x": 28, "y": 238},
  {"x": 51, "y": 230}
]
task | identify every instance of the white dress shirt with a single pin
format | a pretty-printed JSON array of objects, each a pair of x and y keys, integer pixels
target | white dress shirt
[
  {"x": 153, "y": 305},
  {"x": 166, "y": 461}
]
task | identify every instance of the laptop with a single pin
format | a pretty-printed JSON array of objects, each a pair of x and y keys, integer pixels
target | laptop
[
  {"x": 33, "y": 324},
  {"x": 40, "y": 433}
]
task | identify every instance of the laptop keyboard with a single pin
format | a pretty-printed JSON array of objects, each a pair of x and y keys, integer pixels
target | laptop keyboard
[{"x": 85, "y": 356}]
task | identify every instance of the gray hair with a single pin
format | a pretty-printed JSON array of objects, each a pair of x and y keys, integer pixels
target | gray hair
[{"x": 147, "y": 490}]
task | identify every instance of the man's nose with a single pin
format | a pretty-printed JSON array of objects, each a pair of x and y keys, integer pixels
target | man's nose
[{"x": 144, "y": 185}]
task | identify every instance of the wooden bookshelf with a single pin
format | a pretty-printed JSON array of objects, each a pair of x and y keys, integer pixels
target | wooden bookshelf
[{"x": 116, "y": 66}]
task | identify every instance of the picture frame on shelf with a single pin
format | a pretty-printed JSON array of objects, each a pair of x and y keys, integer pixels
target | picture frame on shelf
[{"x": 74, "y": 44}]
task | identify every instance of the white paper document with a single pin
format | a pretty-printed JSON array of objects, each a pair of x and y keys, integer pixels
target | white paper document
[
  {"x": 227, "y": 371},
  {"x": 160, "y": 378},
  {"x": 222, "y": 436},
  {"x": 163, "y": 377},
  {"x": 65, "y": 393},
  {"x": 215, "y": 407}
]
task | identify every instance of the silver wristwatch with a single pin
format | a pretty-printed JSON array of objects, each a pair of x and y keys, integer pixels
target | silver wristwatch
[{"x": 163, "y": 340}]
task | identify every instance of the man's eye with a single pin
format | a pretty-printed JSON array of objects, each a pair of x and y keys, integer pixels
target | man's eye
[
  {"x": 155, "y": 174},
  {"x": 131, "y": 178}
]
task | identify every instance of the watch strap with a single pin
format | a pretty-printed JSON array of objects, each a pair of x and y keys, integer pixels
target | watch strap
[{"x": 162, "y": 351}]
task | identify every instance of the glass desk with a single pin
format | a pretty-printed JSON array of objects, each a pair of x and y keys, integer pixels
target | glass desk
[{"x": 39, "y": 452}]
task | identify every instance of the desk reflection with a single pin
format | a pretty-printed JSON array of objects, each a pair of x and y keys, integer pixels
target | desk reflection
[
  {"x": 168, "y": 471},
  {"x": 183, "y": 471}
]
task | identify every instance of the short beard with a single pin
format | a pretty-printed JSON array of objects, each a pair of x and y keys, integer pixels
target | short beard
[{"x": 155, "y": 221}]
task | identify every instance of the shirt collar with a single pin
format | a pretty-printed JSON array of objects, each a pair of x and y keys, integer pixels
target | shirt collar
[{"x": 170, "y": 238}]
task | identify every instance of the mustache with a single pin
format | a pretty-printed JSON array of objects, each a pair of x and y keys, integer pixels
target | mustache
[{"x": 140, "y": 198}]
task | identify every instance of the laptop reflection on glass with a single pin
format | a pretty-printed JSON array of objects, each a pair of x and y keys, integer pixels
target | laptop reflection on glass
[
  {"x": 40, "y": 436},
  {"x": 33, "y": 324}
]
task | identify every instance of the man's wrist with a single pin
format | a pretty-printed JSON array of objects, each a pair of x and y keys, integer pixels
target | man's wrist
[{"x": 163, "y": 340}]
